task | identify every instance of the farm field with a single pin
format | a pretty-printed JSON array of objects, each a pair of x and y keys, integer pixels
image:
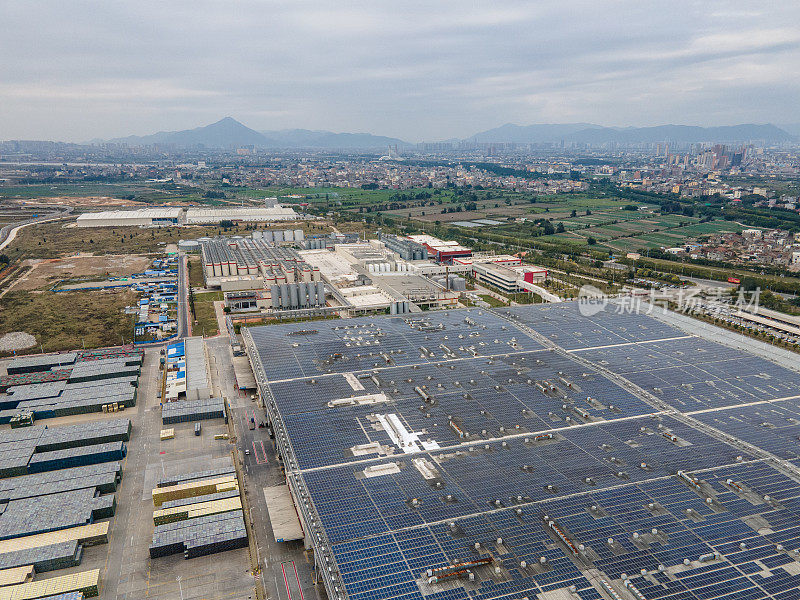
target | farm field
[{"x": 90, "y": 195}]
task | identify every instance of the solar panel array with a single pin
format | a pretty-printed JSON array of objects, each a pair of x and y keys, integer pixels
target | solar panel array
[{"x": 453, "y": 456}]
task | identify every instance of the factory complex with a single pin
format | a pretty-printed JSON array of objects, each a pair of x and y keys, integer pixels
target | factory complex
[
  {"x": 285, "y": 272},
  {"x": 541, "y": 451}
]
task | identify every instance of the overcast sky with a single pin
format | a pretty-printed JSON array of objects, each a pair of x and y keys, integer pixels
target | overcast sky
[{"x": 73, "y": 70}]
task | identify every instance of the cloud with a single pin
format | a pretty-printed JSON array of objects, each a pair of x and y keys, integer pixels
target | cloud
[{"x": 416, "y": 70}]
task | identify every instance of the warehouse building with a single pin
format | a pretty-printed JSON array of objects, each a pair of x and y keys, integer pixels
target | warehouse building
[
  {"x": 173, "y": 217},
  {"x": 214, "y": 216},
  {"x": 142, "y": 217}
]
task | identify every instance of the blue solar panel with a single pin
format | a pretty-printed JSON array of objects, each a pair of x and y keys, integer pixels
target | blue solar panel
[{"x": 475, "y": 432}]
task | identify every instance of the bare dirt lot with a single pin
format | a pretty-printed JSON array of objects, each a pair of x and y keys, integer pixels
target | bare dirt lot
[{"x": 46, "y": 272}]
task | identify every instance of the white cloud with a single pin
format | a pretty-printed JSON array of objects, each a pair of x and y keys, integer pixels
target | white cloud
[{"x": 417, "y": 70}]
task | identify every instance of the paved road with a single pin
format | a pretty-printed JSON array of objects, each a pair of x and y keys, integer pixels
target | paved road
[
  {"x": 183, "y": 296},
  {"x": 262, "y": 469},
  {"x": 8, "y": 233}
]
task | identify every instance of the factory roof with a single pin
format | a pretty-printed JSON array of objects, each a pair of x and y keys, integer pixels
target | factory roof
[
  {"x": 534, "y": 450},
  {"x": 139, "y": 213},
  {"x": 241, "y": 214}
]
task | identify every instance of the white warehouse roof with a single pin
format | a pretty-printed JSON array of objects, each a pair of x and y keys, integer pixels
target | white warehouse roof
[
  {"x": 140, "y": 213},
  {"x": 215, "y": 215}
]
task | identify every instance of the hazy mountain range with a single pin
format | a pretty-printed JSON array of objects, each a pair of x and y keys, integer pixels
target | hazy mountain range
[
  {"x": 230, "y": 133},
  {"x": 585, "y": 133}
]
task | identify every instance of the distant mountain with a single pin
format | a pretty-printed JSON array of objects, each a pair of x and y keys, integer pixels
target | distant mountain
[
  {"x": 793, "y": 128},
  {"x": 583, "y": 133},
  {"x": 305, "y": 138},
  {"x": 226, "y": 133},
  {"x": 230, "y": 133}
]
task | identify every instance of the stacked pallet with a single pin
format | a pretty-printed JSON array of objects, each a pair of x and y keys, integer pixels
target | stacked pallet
[
  {"x": 200, "y": 536},
  {"x": 198, "y": 513},
  {"x": 194, "y": 488},
  {"x": 185, "y": 411},
  {"x": 85, "y": 582},
  {"x": 76, "y": 457}
]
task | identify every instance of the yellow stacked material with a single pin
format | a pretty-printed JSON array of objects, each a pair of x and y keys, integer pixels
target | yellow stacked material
[
  {"x": 88, "y": 535},
  {"x": 221, "y": 436},
  {"x": 167, "y": 434},
  {"x": 16, "y": 575},
  {"x": 191, "y": 489},
  {"x": 227, "y": 487},
  {"x": 86, "y": 582},
  {"x": 200, "y": 509}
]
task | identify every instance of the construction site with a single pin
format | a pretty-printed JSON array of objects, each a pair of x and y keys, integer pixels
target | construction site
[{"x": 545, "y": 451}]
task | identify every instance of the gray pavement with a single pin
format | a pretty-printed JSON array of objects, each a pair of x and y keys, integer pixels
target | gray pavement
[
  {"x": 273, "y": 556},
  {"x": 127, "y": 571}
]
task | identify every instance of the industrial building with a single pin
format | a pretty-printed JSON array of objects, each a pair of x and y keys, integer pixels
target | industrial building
[
  {"x": 173, "y": 217},
  {"x": 214, "y": 216},
  {"x": 406, "y": 248},
  {"x": 245, "y": 263},
  {"x": 142, "y": 217},
  {"x": 537, "y": 452},
  {"x": 440, "y": 250},
  {"x": 508, "y": 279}
]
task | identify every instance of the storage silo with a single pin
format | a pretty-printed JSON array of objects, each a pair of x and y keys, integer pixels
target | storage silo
[{"x": 275, "y": 292}]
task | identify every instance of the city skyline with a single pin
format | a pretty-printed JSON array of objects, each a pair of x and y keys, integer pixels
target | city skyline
[{"x": 414, "y": 72}]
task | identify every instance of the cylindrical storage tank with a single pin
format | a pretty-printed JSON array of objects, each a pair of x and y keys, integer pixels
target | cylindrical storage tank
[
  {"x": 278, "y": 234},
  {"x": 284, "y": 295},
  {"x": 275, "y": 292},
  {"x": 257, "y": 235},
  {"x": 302, "y": 294},
  {"x": 315, "y": 274},
  {"x": 306, "y": 274},
  {"x": 288, "y": 235},
  {"x": 267, "y": 235},
  {"x": 294, "y": 301},
  {"x": 299, "y": 236},
  {"x": 189, "y": 245},
  {"x": 393, "y": 308},
  {"x": 321, "y": 293},
  {"x": 312, "y": 294}
]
